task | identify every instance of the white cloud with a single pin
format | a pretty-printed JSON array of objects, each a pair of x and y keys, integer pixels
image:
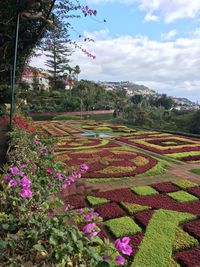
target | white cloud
[
  {"x": 166, "y": 66},
  {"x": 169, "y": 35},
  {"x": 169, "y": 11},
  {"x": 171, "y": 67}
]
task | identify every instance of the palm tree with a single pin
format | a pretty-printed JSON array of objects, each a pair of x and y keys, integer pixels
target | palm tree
[{"x": 77, "y": 71}]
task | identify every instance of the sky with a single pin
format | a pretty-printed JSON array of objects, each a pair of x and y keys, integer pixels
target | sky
[{"x": 151, "y": 42}]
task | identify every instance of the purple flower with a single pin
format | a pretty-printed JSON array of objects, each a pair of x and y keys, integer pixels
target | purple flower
[
  {"x": 49, "y": 170},
  {"x": 65, "y": 185},
  {"x": 13, "y": 182},
  {"x": 91, "y": 230},
  {"x": 106, "y": 258},
  {"x": 7, "y": 178},
  {"x": 49, "y": 184},
  {"x": 25, "y": 182},
  {"x": 22, "y": 166},
  {"x": 59, "y": 175},
  {"x": 122, "y": 245},
  {"x": 44, "y": 151},
  {"x": 70, "y": 180},
  {"x": 80, "y": 211},
  {"x": 77, "y": 175},
  {"x": 21, "y": 174},
  {"x": 50, "y": 213},
  {"x": 26, "y": 193},
  {"x": 91, "y": 215},
  {"x": 120, "y": 260},
  {"x": 14, "y": 170},
  {"x": 84, "y": 167}
]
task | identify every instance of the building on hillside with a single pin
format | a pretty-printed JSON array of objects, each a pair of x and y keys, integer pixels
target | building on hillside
[{"x": 37, "y": 81}]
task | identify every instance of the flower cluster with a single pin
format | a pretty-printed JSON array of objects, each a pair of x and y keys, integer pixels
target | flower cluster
[
  {"x": 16, "y": 178},
  {"x": 88, "y": 12},
  {"x": 122, "y": 246},
  {"x": 23, "y": 124},
  {"x": 91, "y": 229}
]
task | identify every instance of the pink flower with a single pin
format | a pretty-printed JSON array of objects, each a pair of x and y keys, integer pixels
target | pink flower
[
  {"x": 77, "y": 175},
  {"x": 91, "y": 215},
  {"x": 49, "y": 170},
  {"x": 22, "y": 166},
  {"x": 80, "y": 211},
  {"x": 70, "y": 180},
  {"x": 34, "y": 169},
  {"x": 49, "y": 184},
  {"x": 91, "y": 230},
  {"x": 68, "y": 207},
  {"x": 84, "y": 167},
  {"x": 26, "y": 193},
  {"x": 65, "y": 185},
  {"x": 120, "y": 260},
  {"x": 59, "y": 176},
  {"x": 50, "y": 213},
  {"x": 122, "y": 245},
  {"x": 14, "y": 170},
  {"x": 21, "y": 174},
  {"x": 25, "y": 182},
  {"x": 7, "y": 178},
  {"x": 13, "y": 182}
]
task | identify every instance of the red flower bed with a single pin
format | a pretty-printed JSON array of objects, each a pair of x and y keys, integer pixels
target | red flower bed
[
  {"x": 20, "y": 121},
  {"x": 195, "y": 191},
  {"x": 190, "y": 258},
  {"x": 163, "y": 142},
  {"x": 165, "y": 187},
  {"x": 76, "y": 201},
  {"x": 135, "y": 242},
  {"x": 193, "y": 228},
  {"x": 191, "y": 158},
  {"x": 110, "y": 210}
]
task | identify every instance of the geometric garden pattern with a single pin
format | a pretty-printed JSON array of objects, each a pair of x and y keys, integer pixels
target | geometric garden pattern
[{"x": 162, "y": 220}]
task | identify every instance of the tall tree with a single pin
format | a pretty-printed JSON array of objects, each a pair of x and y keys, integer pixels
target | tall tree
[{"x": 58, "y": 54}]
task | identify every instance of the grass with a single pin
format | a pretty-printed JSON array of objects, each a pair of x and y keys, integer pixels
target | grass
[
  {"x": 123, "y": 226},
  {"x": 134, "y": 208},
  {"x": 144, "y": 190},
  {"x": 96, "y": 200},
  {"x": 196, "y": 171},
  {"x": 157, "y": 244},
  {"x": 184, "y": 184},
  {"x": 67, "y": 117},
  {"x": 182, "y": 196}
]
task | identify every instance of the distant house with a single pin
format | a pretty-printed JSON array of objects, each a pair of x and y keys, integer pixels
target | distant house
[{"x": 37, "y": 80}]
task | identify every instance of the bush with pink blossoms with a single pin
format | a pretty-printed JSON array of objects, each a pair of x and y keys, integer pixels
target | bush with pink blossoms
[{"x": 35, "y": 225}]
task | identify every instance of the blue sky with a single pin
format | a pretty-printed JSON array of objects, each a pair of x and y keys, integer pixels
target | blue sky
[{"x": 150, "y": 42}]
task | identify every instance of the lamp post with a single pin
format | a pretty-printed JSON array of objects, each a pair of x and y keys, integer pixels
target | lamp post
[{"x": 13, "y": 69}]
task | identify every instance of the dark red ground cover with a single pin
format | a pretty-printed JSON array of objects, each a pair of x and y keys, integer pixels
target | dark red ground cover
[
  {"x": 190, "y": 258},
  {"x": 135, "y": 242},
  {"x": 162, "y": 142},
  {"x": 191, "y": 158},
  {"x": 165, "y": 187},
  {"x": 144, "y": 217},
  {"x": 193, "y": 228},
  {"x": 110, "y": 210},
  {"x": 76, "y": 201},
  {"x": 195, "y": 191}
]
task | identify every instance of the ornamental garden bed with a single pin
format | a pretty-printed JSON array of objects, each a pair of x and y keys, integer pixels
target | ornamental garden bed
[
  {"x": 181, "y": 148},
  {"x": 161, "y": 219},
  {"x": 108, "y": 163}
]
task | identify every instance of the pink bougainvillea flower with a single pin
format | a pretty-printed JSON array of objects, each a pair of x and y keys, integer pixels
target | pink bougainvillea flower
[
  {"x": 84, "y": 167},
  {"x": 68, "y": 207},
  {"x": 49, "y": 170},
  {"x": 77, "y": 175},
  {"x": 49, "y": 184},
  {"x": 6, "y": 178},
  {"x": 25, "y": 182},
  {"x": 22, "y": 166},
  {"x": 106, "y": 258},
  {"x": 80, "y": 211},
  {"x": 91, "y": 215},
  {"x": 65, "y": 185},
  {"x": 25, "y": 193},
  {"x": 13, "y": 182},
  {"x": 120, "y": 260},
  {"x": 70, "y": 180},
  {"x": 50, "y": 213},
  {"x": 91, "y": 230},
  {"x": 122, "y": 245},
  {"x": 21, "y": 174},
  {"x": 59, "y": 175},
  {"x": 14, "y": 170}
]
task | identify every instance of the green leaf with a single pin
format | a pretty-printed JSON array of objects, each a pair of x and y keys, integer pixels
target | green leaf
[
  {"x": 5, "y": 226},
  {"x": 39, "y": 247},
  {"x": 103, "y": 264},
  {"x": 53, "y": 241}
]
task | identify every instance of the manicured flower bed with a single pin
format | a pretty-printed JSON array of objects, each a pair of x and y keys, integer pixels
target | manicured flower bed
[
  {"x": 182, "y": 148},
  {"x": 162, "y": 221},
  {"x": 115, "y": 163}
]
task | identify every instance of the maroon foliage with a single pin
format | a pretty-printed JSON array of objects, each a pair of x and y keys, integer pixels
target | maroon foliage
[
  {"x": 144, "y": 217},
  {"x": 75, "y": 201},
  {"x": 193, "y": 228},
  {"x": 190, "y": 258},
  {"x": 135, "y": 242},
  {"x": 165, "y": 187},
  {"x": 195, "y": 191},
  {"x": 110, "y": 210}
]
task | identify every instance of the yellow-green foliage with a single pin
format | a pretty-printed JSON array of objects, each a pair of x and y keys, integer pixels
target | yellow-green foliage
[
  {"x": 182, "y": 196},
  {"x": 97, "y": 200},
  {"x": 124, "y": 226},
  {"x": 144, "y": 190},
  {"x": 184, "y": 184},
  {"x": 134, "y": 208},
  {"x": 184, "y": 240}
]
